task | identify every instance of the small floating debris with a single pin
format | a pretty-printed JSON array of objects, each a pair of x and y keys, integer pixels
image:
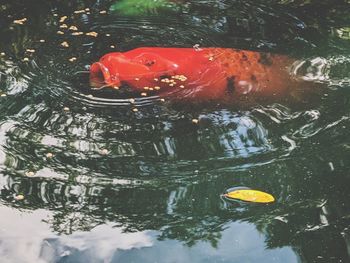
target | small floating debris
[
  {"x": 72, "y": 59},
  {"x": 30, "y": 50},
  {"x": 77, "y": 33},
  {"x": 2, "y": 54},
  {"x": 182, "y": 86},
  {"x": 104, "y": 152},
  {"x": 331, "y": 166},
  {"x": 162, "y": 100},
  {"x": 25, "y": 59},
  {"x": 115, "y": 87},
  {"x": 19, "y": 197},
  {"x": 102, "y": 12},
  {"x": 63, "y": 18},
  {"x": 132, "y": 100},
  {"x": 79, "y": 11},
  {"x": 195, "y": 121},
  {"x": 49, "y": 155},
  {"x": 42, "y": 40},
  {"x": 143, "y": 94},
  {"x": 249, "y": 195},
  {"x": 178, "y": 77},
  {"x": 66, "y": 109},
  {"x": 63, "y": 26},
  {"x": 157, "y": 88},
  {"x": 108, "y": 35},
  {"x": 64, "y": 44},
  {"x": 29, "y": 174},
  {"x": 60, "y": 32},
  {"x": 112, "y": 46},
  {"x": 135, "y": 110},
  {"x": 92, "y": 34},
  {"x": 73, "y": 28},
  {"x": 20, "y": 21},
  {"x": 3, "y": 95},
  {"x": 196, "y": 47}
]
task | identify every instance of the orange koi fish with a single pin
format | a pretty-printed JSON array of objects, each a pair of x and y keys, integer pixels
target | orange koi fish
[{"x": 204, "y": 73}]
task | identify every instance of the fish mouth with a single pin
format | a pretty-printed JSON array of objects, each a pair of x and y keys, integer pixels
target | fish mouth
[{"x": 100, "y": 75}]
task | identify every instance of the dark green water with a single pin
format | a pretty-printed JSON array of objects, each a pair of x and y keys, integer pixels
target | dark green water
[{"x": 145, "y": 186}]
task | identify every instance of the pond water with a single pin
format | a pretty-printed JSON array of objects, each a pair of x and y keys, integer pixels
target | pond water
[{"x": 85, "y": 178}]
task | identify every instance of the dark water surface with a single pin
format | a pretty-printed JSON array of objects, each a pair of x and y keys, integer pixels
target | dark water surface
[{"x": 145, "y": 186}]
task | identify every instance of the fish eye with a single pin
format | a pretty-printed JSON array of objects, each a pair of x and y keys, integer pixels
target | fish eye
[{"x": 150, "y": 63}]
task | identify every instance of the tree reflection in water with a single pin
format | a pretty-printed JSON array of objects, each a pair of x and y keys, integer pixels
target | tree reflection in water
[{"x": 184, "y": 203}]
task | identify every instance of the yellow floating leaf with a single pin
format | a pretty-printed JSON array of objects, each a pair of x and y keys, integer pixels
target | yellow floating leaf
[{"x": 249, "y": 195}]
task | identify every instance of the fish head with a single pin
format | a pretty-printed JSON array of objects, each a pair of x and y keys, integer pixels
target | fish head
[{"x": 137, "y": 69}]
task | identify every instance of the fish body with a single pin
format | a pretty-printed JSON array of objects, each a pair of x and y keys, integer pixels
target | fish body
[{"x": 205, "y": 73}]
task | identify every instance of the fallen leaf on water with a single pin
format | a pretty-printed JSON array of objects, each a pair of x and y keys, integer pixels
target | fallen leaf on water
[{"x": 249, "y": 195}]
